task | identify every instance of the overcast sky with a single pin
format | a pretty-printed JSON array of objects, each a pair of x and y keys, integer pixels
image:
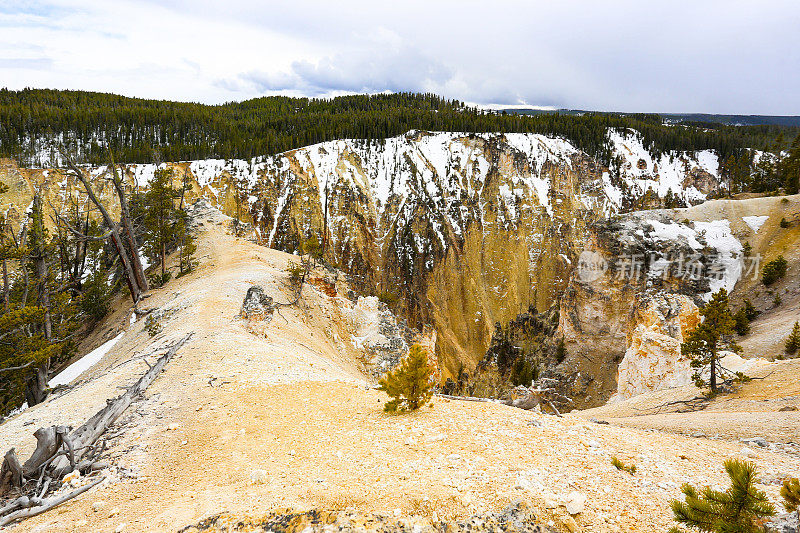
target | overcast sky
[{"x": 639, "y": 55}]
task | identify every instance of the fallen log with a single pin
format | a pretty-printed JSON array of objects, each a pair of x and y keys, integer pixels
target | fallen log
[
  {"x": 466, "y": 398},
  {"x": 48, "y": 442},
  {"x": 88, "y": 433},
  {"x": 59, "y": 451}
]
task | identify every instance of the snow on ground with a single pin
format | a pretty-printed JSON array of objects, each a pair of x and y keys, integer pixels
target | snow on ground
[
  {"x": 84, "y": 363},
  {"x": 674, "y": 232},
  {"x": 641, "y": 170},
  {"x": 725, "y": 267},
  {"x": 755, "y": 222}
]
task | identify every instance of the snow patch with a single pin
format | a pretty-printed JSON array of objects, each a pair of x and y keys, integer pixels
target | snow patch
[
  {"x": 662, "y": 174},
  {"x": 755, "y": 222},
  {"x": 84, "y": 363}
]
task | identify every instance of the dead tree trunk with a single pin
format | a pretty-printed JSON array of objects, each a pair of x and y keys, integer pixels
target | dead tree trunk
[
  {"x": 36, "y": 385},
  {"x": 11, "y": 471},
  {"x": 127, "y": 225},
  {"x": 133, "y": 286}
]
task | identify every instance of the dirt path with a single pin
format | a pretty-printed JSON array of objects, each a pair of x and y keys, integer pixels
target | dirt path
[{"x": 247, "y": 423}]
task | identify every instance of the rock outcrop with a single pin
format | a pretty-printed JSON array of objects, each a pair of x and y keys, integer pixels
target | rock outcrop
[
  {"x": 257, "y": 305},
  {"x": 653, "y": 359},
  {"x": 641, "y": 276}
]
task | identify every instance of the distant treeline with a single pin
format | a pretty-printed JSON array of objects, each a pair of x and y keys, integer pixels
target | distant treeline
[{"x": 134, "y": 127}]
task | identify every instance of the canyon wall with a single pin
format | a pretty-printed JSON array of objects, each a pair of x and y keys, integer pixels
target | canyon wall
[{"x": 458, "y": 231}]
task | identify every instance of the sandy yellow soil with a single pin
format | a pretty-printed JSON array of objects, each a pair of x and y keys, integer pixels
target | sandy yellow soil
[
  {"x": 753, "y": 409},
  {"x": 247, "y": 423}
]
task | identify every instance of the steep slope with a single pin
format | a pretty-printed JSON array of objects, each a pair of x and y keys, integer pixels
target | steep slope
[
  {"x": 463, "y": 231},
  {"x": 249, "y": 420}
]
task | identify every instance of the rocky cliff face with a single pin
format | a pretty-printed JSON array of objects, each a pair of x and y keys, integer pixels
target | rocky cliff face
[
  {"x": 463, "y": 231},
  {"x": 637, "y": 286}
]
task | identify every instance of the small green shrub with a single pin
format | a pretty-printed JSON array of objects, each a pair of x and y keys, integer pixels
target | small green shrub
[
  {"x": 523, "y": 372},
  {"x": 774, "y": 270},
  {"x": 793, "y": 341},
  {"x": 295, "y": 271},
  {"x": 750, "y": 311},
  {"x": 313, "y": 247},
  {"x": 790, "y": 492},
  {"x": 561, "y": 351},
  {"x": 156, "y": 280},
  {"x": 748, "y": 249},
  {"x": 408, "y": 385},
  {"x": 739, "y": 509},
  {"x": 784, "y": 223},
  {"x": 152, "y": 324},
  {"x": 777, "y": 300},
  {"x": 388, "y": 297},
  {"x": 619, "y": 465},
  {"x": 742, "y": 325},
  {"x": 96, "y": 297}
]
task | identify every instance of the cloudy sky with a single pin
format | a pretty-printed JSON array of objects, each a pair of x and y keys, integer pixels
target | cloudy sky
[{"x": 629, "y": 55}]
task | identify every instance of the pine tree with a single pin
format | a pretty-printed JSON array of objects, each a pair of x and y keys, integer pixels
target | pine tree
[
  {"x": 736, "y": 510},
  {"x": 774, "y": 270},
  {"x": 96, "y": 296},
  {"x": 750, "y": 311},
  {"x": 742, "y": 326},
  {"x": 7, "y": 251},
  {"x": 409, "y": 385},
  {"x": 790, "y": 492},
  {"x": 313, "y": 247},
  {"x": 34, "y": 333},
  {"x": 790, "y": 168},
  {"x": 793, "y": 342},
  {"x": 702, "y": 343},
  {"x": 160, "y": 220},
  {"x": 186, "y": 245}
]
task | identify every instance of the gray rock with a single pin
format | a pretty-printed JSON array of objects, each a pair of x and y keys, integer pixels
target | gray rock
[
  {"x": 756, "y": 441},
  {"x": 783, "y": 523},
  {"x": 257, "y": 305}
]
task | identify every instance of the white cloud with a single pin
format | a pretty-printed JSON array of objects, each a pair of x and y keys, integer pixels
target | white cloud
[{"x": 711, "y": 56}]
